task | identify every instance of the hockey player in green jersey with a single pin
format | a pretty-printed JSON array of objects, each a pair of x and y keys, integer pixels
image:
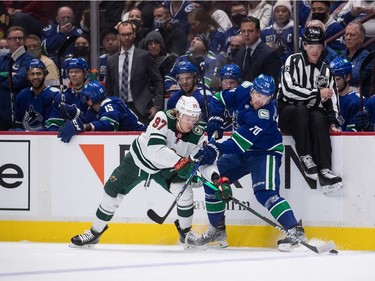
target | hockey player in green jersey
[{"x": 162, "y": 154}]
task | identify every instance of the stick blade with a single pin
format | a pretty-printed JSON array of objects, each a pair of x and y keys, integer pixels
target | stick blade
[
  {"x": 155, "y": 217},
  {"x": 324, "y": 248}
]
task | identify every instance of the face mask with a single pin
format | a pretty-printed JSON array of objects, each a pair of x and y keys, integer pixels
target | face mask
[
  {"x": 81, "y": 51},
  {"x": 4, "y": 52},
  {"x": 319, "y": 16},
  {"x": 83, "y": 26},
  {"x": 233, "y": 52},
  {"x": 159, "y": 22},
  {"x": 137, "y": 23},
  {"x": 237, "y": 19},
  {"x": 35, "y": 53}
]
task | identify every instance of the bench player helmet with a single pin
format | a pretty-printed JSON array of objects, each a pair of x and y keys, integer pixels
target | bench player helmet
[
  {"x": 341, "y": 66},
  {"x": 94, "y": 90},
  {"x": 36, "y": 63},
  {"x": 76, "y": 63},
  {"x": 230, "y": 71},
  {"x": 264, "y": 85}
]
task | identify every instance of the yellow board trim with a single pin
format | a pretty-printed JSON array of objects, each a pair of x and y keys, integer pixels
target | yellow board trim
[{"x": 166, "y": 234}]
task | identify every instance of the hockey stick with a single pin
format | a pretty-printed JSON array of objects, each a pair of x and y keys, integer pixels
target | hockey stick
[
  {"x": 158, "y": 219},
  {"x": 61, "y": 50},
  {"x": 327, "y": 247},
  {"x": 19, "y": 52}
]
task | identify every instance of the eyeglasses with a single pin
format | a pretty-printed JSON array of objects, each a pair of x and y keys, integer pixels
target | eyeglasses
[
  {"x": 126, "y": 34},
  {"x": 16, "y": 38}
]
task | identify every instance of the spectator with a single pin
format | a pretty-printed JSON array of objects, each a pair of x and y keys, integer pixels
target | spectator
[
  {"x": 133, "y": 82},
  {"x": 256, "y": 57},
  {"x": 78, "y": 71},
  {"x": 154, "y": 43},
  {"x": 54, "y": 35},
  {"x": 11, "y": 85},
  {"x": 4, "y": 49},
  {"x": 355, "y": 34},
  {"x": 355, "y": 9},
  {"x": 82, "y": 48},
  {"x": 32, "y": 16},
  {"x": 111, "y": 46},
  {"x": 34, "y": 48},
  {"x": 235, "y": 44},
  {"x": 216, "y": 10},
  {"x": 34, "y": 104},
  {"x": 174, "y": 37},
  {"x": 4, "y": 20},
  {"x": 320, "y": 11},
  {"x": 199, "y": 52},
  {"x": 103, "y": 114},
  {"x": 200, "y": 22},
  {"x": 308, "y": 109},
  {"x": 179, "y": 11},
  {"x": 280, "y": 35},
  {"x": 237, "y": 11},
  {"x": 135, "y": 17},
  {"x": 188, "y": 81},
  {"x": 260, "y": 10},
  {"x": 349, "y": 101}
]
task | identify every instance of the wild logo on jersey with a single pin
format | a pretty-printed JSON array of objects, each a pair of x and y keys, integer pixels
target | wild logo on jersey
[{"x": 33, "y": 120}]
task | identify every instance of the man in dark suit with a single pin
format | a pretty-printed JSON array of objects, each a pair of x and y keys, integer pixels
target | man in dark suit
[
  {"x": 260, "y": 59},
  {"x": 139, "y": 83}
]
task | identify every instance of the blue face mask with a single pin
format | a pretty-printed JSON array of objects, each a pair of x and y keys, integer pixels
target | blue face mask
[{"x": 4, "y": 52}]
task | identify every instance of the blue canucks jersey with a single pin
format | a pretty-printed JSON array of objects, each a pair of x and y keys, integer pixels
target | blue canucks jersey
[
  {"x": 113, "y": 115},
  {"x": 349, "y": 107},
  {"x": 198, "y": 94},
  {"x": 32, "y": 111},
  {"x": 257, "y": 131}
]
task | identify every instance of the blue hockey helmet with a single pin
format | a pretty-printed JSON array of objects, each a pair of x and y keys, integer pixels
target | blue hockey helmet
[
  {"x": 76, "y": 63},
  {"x": 264, "y": 85},
  {"x": 36, "y": 63},
  {"x": 341, "y": 66},
  {"x": 230, "y": 71},
  {"x": 94, "y": 90},
  {"x": 186, "y": 67}
]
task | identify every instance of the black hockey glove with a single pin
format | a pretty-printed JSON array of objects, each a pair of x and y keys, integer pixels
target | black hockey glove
[
  {"x": 69, "y": 111},
  {"x": 208, "y": 154},
  {"x": 215, "y": 125},
  {"x": 362, "y": 121}
]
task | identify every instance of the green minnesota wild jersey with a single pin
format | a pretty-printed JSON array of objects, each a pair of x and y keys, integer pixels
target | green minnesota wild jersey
[{"x": 162, "y": 145}]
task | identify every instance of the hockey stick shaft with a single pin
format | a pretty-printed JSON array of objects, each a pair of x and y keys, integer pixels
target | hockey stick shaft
[
  {"x": 328, "y": 247},
  {"x": 160, "y": 220}
]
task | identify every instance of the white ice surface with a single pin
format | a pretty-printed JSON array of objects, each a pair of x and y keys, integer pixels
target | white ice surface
[{"x": 47, "y": 261}]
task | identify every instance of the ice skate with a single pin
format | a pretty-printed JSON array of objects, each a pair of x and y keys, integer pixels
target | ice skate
[
  {"x": 290, "y": 242},
  {"x": 213, "y": 234},
  {"x": 329, "y": 182},
  {"x": 309, "y": 167},
  {"x": 182, "y": 233},
  {"x": 88, "y": 239}
]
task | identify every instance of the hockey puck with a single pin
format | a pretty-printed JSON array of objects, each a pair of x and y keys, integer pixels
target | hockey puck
[{"x": 334, "y": 252}]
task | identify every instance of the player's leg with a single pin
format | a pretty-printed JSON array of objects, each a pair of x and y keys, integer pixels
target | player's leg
[
  {"x": 266, "y": 182},
  {"x": 126, "y": 175}
]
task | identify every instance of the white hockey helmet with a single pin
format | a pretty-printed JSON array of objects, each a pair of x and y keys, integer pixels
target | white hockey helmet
[{"x": 189, "y": 106}]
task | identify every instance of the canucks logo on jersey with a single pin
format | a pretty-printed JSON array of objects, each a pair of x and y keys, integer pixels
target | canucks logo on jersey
[{"x": 33, "y": 120}]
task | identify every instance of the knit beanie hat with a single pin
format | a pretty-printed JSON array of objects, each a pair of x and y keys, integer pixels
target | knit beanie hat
[
  {"x": 154, "y": 36},
  {"x": 205, "y": 40},
  {"x": 284, "y": 3}
]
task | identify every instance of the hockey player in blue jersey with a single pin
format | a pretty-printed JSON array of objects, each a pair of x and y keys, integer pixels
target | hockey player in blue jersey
[
  {"x": 34, "y": 104},
  {"x": 78, "y": 71},
  {"x": 349, "y": 100},
  {"x": 187, "y": 75},
  {"x": 104, "y": 114},
  {"x": 255, "y": 148}
]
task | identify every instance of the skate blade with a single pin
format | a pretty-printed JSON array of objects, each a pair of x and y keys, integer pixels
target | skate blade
[
  {"x": 189, "y": 247},
  {"x": 292, "y": 248},
  {"x": 312, "y": 176},
  {"x": 331, "y": 188},
  {"x": 88, "y": 246}
]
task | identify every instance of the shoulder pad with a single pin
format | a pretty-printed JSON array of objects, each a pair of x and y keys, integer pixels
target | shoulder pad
[
  {"x": 47, "y": 28},
  {"x": 246, "y": 84}
]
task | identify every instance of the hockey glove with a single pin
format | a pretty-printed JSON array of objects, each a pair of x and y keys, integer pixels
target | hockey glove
[
  {"x": 362, "y": 120},
  {"x": 69, "y": 111},
  {"x": 215, "y": 124},
  {"x": 225, "y": 191},
  {"x": 208, "y": 154},
  {"x": 184, "y": 167},
  {"x": 70, "y": 129}
]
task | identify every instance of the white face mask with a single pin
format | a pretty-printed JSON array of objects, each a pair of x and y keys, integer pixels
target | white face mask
[{"x": 4, "y": 52}]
